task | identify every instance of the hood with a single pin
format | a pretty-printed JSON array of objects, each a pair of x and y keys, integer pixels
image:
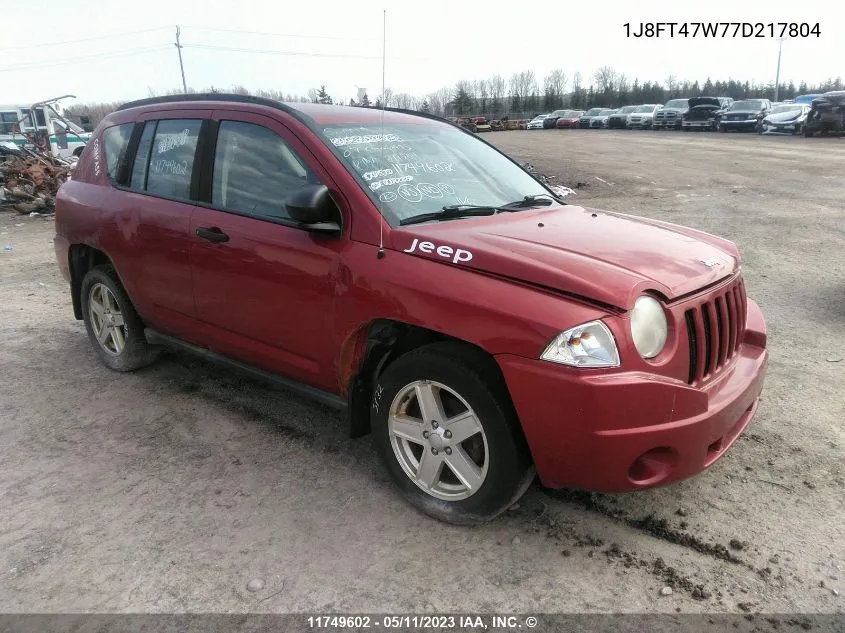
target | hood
[
  {"x": 695, "y": 102},
  {"x": 610, "y": 258},
  {"x": 783, "y": 117}
]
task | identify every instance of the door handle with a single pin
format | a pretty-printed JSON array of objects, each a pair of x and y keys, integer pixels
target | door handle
[{"x": 212, "y": 234}]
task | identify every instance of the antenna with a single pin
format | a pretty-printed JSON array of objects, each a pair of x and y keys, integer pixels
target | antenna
[{"x": 380, "y": 252}]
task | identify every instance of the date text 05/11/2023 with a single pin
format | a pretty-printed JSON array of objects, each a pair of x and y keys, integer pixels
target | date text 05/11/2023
[
  {"x": 722, "y": 29},
  {"x": 404, "y": 622}
]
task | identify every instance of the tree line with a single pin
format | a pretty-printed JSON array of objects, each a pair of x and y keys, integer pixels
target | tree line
[{"x": 524, "y": 95}]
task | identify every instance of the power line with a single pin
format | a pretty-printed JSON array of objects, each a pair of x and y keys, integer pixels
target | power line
[
  {"x": 87, "y": 39},
  {"x": 97, "y": 56},
  {"x": 274, "y": 52},
  {"x": 292, "y": 35}
]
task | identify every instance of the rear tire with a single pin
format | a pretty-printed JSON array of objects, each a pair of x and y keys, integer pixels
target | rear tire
[
  {"x": 114, "y": 328},
  {"x": 448, "y": 436}
]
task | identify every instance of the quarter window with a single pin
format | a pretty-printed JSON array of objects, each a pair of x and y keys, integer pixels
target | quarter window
[
  {"x": 255, "y": 171},
  {"x": 172, "y": 155},
  {"x": 115, "y": 142}
]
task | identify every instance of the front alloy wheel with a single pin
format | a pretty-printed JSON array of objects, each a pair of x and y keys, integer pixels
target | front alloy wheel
[
  {"x": 438, "y": 440},
  {"x": 448, "y": 434}
]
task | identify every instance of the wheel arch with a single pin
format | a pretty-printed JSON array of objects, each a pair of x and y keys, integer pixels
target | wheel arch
[
  {"x": 81, "y": 259},
  {"x": 375, "y": 345}
]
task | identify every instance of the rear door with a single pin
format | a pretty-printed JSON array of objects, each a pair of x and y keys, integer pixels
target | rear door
[
  {"x": 264, "y": 286},
  {"x": 153, "y": 211}
]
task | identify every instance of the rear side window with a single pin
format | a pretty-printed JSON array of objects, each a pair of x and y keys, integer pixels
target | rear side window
[
  {"x": 115, "y": 142},
  {"x": 171, "y": 161},
  {"x": 255, "y": 171}
]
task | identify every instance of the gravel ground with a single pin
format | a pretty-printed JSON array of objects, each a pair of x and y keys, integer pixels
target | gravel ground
[{"x": 172, "y": 488}]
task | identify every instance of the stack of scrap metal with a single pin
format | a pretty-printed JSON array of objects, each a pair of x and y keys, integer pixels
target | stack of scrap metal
[{"x": 29, "y": 180}]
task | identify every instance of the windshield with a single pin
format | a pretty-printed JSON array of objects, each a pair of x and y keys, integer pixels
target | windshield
[
  {"x": 644, "y": 108},
  {"x": 746, "y": 105},
  {"x": 678, "y": 103},
  {"x": 627, "y": 109},
  {"x": 540, "y": 117},
  {"x": 785, "y": 108},
  {"x": 422, "y": 167},
  {"x": 593, "y": 111},
  {"x": 559, "y": 113}
]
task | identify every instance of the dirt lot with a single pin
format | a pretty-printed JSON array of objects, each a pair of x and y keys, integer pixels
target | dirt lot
[{"x": 171, "y": 488}]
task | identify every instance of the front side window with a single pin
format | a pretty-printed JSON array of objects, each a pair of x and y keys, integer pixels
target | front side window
[
  {"x": 172, "y": 156},
  {"x": 255, "y": 171},
  {"x": 420, "y": 167},
  {"x": 115, "y": 142}
]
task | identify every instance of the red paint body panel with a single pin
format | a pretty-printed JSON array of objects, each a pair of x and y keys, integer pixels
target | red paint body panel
[
  {"x": 295, "y": 303},
  {"x": 586, "y": 430}
]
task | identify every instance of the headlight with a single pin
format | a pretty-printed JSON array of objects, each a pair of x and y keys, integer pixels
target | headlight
[
  {"x": 587, "y": 345},
  {"x": 648, "y": 326}
]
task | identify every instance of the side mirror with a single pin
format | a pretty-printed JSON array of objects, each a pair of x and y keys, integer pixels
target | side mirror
[{"x": 313, "y": 207}]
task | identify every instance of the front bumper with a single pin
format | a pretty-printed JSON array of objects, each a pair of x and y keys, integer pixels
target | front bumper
[
  {"x": 748, "y": 124},
  {"x": 707, "y": 124},
  {"x": 646, "y": 123},
  {"x": 612, "y": 432}
]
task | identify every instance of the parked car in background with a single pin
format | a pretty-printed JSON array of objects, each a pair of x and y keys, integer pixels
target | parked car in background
[
  {"x": 600, "y": 120},
  {"x": 248, "y": 232},
  {"x": 787, "y": 118},
  {"x": 701, "y": 114},
  {"x": 537, "y": 122},
  {"x": 807, "y": 99},
  {"x": 671, "y": 114},
  {"x": 619, "y": 119},
  {"x": 481, "y": 124},
  {"x": 743, "y": 116},
  {"x": 643, "y": 116},
  {"x": 584, "y": 121},
  {"x": 827, "y": 114},
  {"x": 570, "y": 119},
  {"x": 550, "y": 121}
]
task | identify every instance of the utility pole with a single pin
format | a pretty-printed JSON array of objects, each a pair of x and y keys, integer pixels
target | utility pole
[
  {"x": 777, "y": 76},
  {"x": 181, "y": 65}
]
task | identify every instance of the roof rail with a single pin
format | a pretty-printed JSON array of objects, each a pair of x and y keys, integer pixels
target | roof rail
[{"x": 206, "y": 96}]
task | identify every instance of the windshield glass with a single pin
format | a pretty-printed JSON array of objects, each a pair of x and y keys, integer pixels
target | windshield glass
[
  {"x": 747, "y": 105},
  {"x": 790, "y": 107},
  {"x": 627, "y": 109},
  {"x": 593, "y": 111},
  {"x": 422, "y": 167},
  {"x": 644, "y": 108},
  {"x": 678, "y": 103},
  {"x": 559, "y": 113}
]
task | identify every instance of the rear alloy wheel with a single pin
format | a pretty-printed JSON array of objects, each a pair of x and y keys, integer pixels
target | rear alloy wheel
[
  {"x": 114, "y": 328},
  {"x": 453, "y": 448}
]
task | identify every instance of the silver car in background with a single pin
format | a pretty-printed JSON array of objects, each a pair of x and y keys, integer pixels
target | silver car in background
[{"x": 643, "y": 117}]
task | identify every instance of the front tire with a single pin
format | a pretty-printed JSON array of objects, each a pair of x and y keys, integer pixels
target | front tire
[
  {"x": 449, "y": 437},
  {"x": 113, "y": 326}
]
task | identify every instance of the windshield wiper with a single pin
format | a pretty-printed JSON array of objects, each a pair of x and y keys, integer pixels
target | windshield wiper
[
  {"x": 453, "y": 211},
  {"x": 536, "y": 200}
]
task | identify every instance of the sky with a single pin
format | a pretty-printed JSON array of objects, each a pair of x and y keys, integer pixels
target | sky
[{"x": 112, "y": 50}]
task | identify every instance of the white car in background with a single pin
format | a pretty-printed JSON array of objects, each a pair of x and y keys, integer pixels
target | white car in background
[
  {"x": 785, "y": 118},
  {"x": 643, "y": 116},
  {"x": 537, "y": 122}
]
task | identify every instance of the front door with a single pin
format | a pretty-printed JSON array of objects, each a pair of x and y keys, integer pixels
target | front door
[{"x": 265, "y": 286}]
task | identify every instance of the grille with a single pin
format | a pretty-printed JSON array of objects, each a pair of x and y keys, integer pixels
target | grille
[{"x": 714, "y": 329}]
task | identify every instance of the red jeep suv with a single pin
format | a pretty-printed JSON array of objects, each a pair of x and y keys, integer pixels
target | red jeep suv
[{"x": 398, "y": 266}]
